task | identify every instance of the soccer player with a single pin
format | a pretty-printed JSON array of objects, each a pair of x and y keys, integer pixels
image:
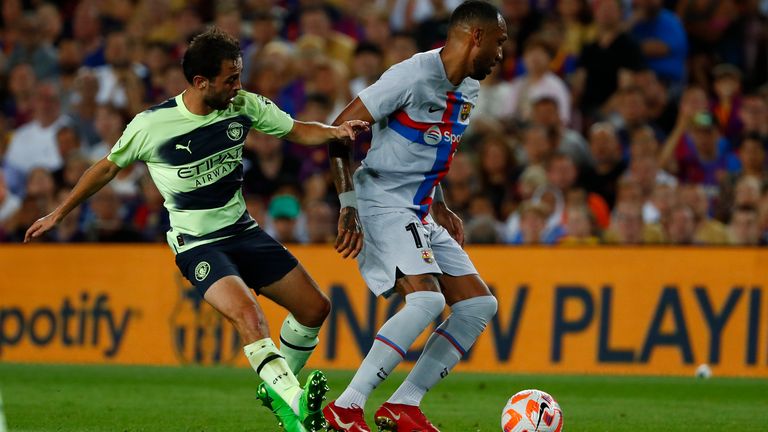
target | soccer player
[
  {"x": 421, "y": 107},
  {"x": 193, "y": 145}
]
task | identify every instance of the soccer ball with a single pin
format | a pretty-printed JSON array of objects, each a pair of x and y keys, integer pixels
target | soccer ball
[{"x": 532, "y": 411}]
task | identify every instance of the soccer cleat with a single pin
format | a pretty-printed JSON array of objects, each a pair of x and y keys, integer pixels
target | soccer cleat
[
  {"x": 286, "y": 418},
  {"x": 402, "y": 418},
  {"x": 311, "y": 402},
  {"x": 345, "y": 419}
]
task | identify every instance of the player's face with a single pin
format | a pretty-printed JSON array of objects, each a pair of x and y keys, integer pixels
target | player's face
[
  {"x": 223, "y": 88},
  {"x": 490, "y": 52}
]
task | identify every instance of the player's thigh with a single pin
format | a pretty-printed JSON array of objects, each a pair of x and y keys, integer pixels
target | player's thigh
[
  {"x": 458, "y": 288},
  {"x": 460, "y": 279},
  {"x": 396, "y": 254},
  {"x": 233, "y": 299},
  {"x": 299, "y": 294}
]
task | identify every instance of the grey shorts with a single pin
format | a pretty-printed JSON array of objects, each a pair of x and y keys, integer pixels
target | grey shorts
[{"x": 399, "y": 243}]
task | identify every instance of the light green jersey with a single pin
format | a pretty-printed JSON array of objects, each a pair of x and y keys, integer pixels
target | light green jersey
[{"x": 196, "y": 162}]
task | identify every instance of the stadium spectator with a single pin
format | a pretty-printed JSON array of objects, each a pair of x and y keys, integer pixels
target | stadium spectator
[
  {"x": 284, "y": 211},
  {"x": 402, "y": 46},
  {"x": 522, "y": 19},
  {"x": 320, "y": 223},
  {"x": 9, "y": 203},
  {"x": 498, "y": 172},
  {"x": 609, "y": 165},
  {"x": 34, "y": 144},
  {"x": 726, "y": 106},
  {"x": 538, "y": 82},
  {"x": 32, "y": 48},
  {"x": 545, "y": 112},
  {"x": 120, "y": 80},
  {"x": 631, "y": 114},
  {"x": 708, "y": 231},
  {"x": 577, "y": 22},
  {"x": 368, "y": 65},
  {"x": 105, "y": 221},
  {"x": 628, "y": 228},
  {"x": 268, "y": 166},
  {"x": 562, "y": 174},
  {"x": 703, "y": 156},
  {"x": 681, "y": 227},
  {"x": 539, "y": 144},
  {"x": 533, "y": 219},
  {"x": 18, "y": 106},
  {"x": 605, "y": 63},
  {"x": 579, "y": 228},
  {"x": 744, "y": 228},
  {"x": 662, "y": 40},
  {"x": 316, "y": 24},
  {"x": 754, "y": 117}
]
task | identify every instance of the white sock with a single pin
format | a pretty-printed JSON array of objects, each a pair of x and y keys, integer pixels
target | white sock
[
  {"x": 445, "y": 347},
  {"x": 266, "y": 360},
  {"x": 297, "y": 342},
  {"x": 391, "y": 344}
]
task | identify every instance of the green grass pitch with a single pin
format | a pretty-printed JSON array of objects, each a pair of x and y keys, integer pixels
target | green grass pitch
[{"x": 121, "y": 398}]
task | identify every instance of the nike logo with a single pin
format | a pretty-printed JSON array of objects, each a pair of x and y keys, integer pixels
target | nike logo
[
  {"x": 433, "y": 109},
  {"x": 181, "y": 147},
  {"x": 541, "y": 411},
  {"x": 394, "y": 416},
  {"x": 345, "y": 426}
]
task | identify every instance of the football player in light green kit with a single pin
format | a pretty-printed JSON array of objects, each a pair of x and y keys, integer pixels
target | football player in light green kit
[{"x": 192, "y": 145}]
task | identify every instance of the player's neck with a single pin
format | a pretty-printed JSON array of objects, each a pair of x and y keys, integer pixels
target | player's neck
[
  {"x": 193, "y": 101},
  {"x": 454, "y": 63}
]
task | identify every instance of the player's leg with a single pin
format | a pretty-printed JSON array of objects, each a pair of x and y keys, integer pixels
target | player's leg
[
  {"x": 235, "y": 301},
  {"x": 307, "y": 306},
  {"x": 395, "y": 254},
  {"x": 275, "y": 273},
  {"x": 472, "y": 307}
]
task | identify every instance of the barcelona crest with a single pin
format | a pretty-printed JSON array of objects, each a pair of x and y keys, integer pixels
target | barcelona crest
[
  {"x": 466, "y": 108},
  {"x": 426, "y": 255}
]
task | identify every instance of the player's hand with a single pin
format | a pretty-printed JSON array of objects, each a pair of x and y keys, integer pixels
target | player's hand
[
  {"x": 349, "y": 241},
  {"x": 350, "y": 129},
  {"x": 40, "y": 227},
  {"x": 450, "y": 221}
]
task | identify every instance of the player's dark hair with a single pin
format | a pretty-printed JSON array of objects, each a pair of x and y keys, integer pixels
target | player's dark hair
[
  {"x": 206, "y": 52},
  {"x": 474, "y": 12}
]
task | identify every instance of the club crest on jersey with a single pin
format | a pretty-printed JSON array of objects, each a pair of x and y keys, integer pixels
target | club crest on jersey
[
  {"x": 466, "y": 108},
  {"x": 426, "y": 255},
  {"x": 201, "y": 270},
  {"x": 433, "y": 136},
  {"x": 235, "y": 131}
]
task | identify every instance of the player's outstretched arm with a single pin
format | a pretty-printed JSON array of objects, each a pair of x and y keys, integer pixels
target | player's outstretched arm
[
  {"x": 313, "y": 133},
  {"x": 349, "y": 240},
  {"x": 92, "y": 180}
]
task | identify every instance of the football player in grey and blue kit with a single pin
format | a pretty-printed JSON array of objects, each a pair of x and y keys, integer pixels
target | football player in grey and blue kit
[{"x": 193, "y": 145}]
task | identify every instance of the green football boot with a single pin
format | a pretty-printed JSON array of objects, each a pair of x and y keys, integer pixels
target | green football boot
[
  {"x": 286, "y": 418},
  {"x": 311, "y": 403}
]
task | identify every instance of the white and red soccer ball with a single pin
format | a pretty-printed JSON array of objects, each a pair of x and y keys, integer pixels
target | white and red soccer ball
[{"x": 532, "y": 411}]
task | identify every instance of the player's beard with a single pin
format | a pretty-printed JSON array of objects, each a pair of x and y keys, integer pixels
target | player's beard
[
  {"x": 480, "y": 69},
  {"x": 217, "y": 101}
]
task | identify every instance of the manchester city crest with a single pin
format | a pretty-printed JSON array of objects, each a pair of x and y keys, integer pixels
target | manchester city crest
[
  {"x": 201, "y": 270},
  {"x": 235, "y": 131}
]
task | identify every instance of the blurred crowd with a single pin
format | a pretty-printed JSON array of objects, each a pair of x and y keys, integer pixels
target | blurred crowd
[{"x": 608, "y": 122}]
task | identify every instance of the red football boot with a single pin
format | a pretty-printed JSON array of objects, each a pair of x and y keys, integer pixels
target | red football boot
[
  {"x": 402, "y": 418},
  {"x": 345, "y": 419}
]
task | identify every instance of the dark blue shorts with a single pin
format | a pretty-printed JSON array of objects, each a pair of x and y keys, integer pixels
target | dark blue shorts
[{"x": 253, "y": 255}]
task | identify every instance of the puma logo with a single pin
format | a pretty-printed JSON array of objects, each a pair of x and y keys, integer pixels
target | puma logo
[{"x": 181, "y": 147}]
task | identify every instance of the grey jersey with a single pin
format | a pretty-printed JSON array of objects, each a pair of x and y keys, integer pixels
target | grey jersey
[{"x": 420, "y": 118}]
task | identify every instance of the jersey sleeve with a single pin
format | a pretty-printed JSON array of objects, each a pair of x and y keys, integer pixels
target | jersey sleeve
[
  {"x": 267, "y": 117},
  {"x": 133, "y": 144},
  {"x": 389, "y": 93}
]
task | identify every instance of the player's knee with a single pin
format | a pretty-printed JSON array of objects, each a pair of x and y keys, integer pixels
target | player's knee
[
  {"x": 313, "y": 313},
  {"x": 482, "y": 308},
  {"x": 249, "y": 321},
  {"x": 432, "y": 303}
]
